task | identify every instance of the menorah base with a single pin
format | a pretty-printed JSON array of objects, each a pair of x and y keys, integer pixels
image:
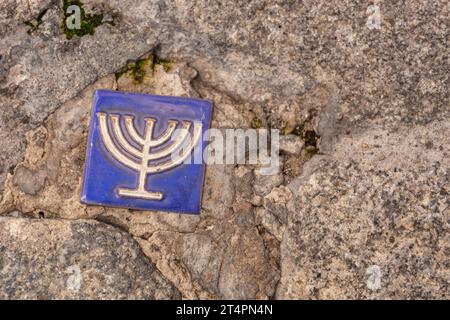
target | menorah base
[{"x": 142, "y": 194}]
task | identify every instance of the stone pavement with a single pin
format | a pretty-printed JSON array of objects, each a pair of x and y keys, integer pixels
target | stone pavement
[{"x": 360, "y": 207}]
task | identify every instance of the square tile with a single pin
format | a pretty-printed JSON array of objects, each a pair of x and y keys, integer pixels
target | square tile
[{"x": 129, "y": 158}]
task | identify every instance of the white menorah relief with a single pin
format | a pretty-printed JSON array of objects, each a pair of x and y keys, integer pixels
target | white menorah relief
[{"x": 145, "y": 154}]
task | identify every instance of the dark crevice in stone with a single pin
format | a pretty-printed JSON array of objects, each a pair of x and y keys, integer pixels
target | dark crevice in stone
[{"x": 34, "y": 23}]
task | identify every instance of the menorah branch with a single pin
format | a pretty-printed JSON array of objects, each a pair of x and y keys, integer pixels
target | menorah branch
[
  {"x": 122, "y": 141},
  {"x": 132, "y": 131},
  {"x": 147, "y": 142},
  {"x": 166, "y": 135},
  {"x": 182, "y": 134},
  {"x": 175, "y": 161},
  {"x": 111, "y": 147}
]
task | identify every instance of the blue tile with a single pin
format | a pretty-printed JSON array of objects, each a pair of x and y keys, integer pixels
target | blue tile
[{"x": 123, "y": 127}]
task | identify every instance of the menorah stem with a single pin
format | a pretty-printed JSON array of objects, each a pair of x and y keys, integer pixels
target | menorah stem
[
  {"x": 142, "y": 179},
  {"x": 140, "y": 191}
]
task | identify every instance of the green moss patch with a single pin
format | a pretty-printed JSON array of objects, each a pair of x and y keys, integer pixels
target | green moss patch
[
  {"x": 165, "y": 63},
  {"x": 88, "y": 22},
  {"x": 256, "y": 123},
  {"x": 136, "y": 70}
]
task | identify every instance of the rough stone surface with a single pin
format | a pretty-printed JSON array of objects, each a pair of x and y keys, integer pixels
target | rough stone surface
[
  {"x": 46, "y": 259},
  {"x": 291, "y": 144},
  {"x": 359, "y": 207},
  {"x": 373, "y": 221}
]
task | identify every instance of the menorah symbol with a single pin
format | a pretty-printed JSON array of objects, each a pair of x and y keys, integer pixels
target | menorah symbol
[{"x": 146, "y": 143}]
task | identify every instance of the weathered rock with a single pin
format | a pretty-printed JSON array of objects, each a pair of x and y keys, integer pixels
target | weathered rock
[
  {"x": 373, "y": 221},
  {"x": 55, "y": 155},
  {"x": 29, "y": 182},
  {"x": 264, "y": 183},
  {"x": 57, "y": 259},
  {"x": 367, "y": 212},
  {"x": 218, "y": 260},
  {"x": 319, "y": 49},
  {"x": 291, "y": 144},
  {"x": 190, "y": 251},
  {"x": 276, "y": 210}
]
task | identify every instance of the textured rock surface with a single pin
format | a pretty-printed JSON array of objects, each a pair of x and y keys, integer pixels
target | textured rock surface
[
  {"x": 358, "y": 209},
  {"x": 373, "y": 221},
  {"x": 75, "y": 260}
]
